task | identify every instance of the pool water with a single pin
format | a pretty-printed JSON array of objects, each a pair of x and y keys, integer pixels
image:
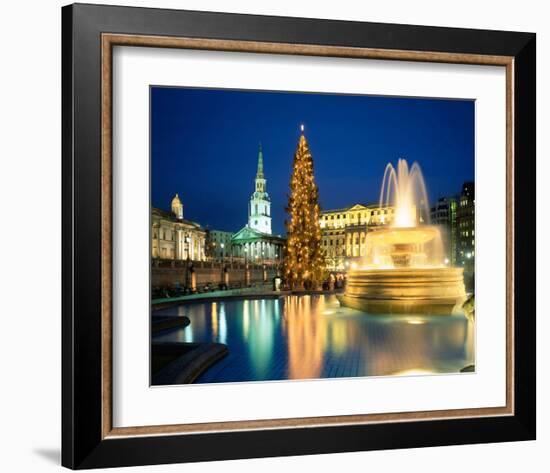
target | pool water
[{"x": 304, "y": 337}]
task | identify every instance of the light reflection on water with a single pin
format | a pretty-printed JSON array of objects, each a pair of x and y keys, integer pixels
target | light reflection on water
[{"x": 301, "y": 337}]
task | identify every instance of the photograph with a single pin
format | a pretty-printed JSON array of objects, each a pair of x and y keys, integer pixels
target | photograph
[{"x": 299, "y": 235}]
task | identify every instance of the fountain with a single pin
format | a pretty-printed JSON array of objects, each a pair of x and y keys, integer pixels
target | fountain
[{"x": 403, "y": 271}]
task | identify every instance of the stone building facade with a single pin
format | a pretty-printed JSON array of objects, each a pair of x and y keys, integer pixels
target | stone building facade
[
  {"x": 344, "y": 232},
  {"x": 218, "y": 245},
  {"x": 173, "y": 237}
]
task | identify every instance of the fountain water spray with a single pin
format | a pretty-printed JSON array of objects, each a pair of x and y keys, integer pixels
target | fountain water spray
[{"x": 405, "y": 189}]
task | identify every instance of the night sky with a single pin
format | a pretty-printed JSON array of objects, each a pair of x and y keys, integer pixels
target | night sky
[{"x": 204, "y": 146}]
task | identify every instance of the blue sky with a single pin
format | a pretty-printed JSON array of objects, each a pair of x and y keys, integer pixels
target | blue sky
[{"x": 204, "y": 146}]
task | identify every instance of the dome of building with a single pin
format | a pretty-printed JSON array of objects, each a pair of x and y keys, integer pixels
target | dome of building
[{"x": 177, "y": 207}]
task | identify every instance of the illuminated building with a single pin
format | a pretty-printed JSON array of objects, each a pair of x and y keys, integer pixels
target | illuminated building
[
  {"x": 345, "y": 230},
  {"x": 456, "y": 215},
  {"x": 173, "y": 237},
  {"x": 255, "y": 242},
  {"x": 465, "y": 220},
  {"x": 443, "y": 214}
]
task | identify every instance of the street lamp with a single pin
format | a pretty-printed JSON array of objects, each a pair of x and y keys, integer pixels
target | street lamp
[
  {"x": 187, "y": 241},
  {"x": 223, "y": 259},
  {"x": 264, "y": 271},
  {"x": 246, "y": 273}
]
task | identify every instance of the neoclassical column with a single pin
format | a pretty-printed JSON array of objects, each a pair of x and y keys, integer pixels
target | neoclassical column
[
  {"x": 179, "y": 244},
  {"x": 154, "y": 237}
]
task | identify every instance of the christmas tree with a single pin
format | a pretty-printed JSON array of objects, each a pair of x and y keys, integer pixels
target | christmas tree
[{"x": 304, "y": 261}]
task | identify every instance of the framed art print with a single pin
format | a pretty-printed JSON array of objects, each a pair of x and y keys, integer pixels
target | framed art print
[{"x": 291, "y": 236}]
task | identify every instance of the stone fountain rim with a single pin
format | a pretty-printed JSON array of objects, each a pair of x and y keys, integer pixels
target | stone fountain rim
[{"x": 404, "y": 271}]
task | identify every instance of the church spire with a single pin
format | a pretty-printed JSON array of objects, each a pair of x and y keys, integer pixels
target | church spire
[
  {"x": 260, "y": 172},
  {"x": 259, "y": 210}
]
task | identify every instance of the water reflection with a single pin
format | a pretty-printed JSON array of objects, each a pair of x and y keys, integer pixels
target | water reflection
[
  {"x": 302, "y": 337},
  {"x": 307, "y": 337},
  {"x": 260, "y": 340},
  {"x": 223, "y": 324}
]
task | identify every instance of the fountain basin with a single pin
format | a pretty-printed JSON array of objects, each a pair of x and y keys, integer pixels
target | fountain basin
[{"x": 432, "y": 290}]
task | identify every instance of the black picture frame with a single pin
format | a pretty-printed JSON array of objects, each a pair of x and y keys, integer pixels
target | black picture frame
[{"x": 83, "y": 444}]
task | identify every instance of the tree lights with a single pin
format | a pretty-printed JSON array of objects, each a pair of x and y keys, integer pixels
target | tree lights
[{"x": 304, "y": 261}]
